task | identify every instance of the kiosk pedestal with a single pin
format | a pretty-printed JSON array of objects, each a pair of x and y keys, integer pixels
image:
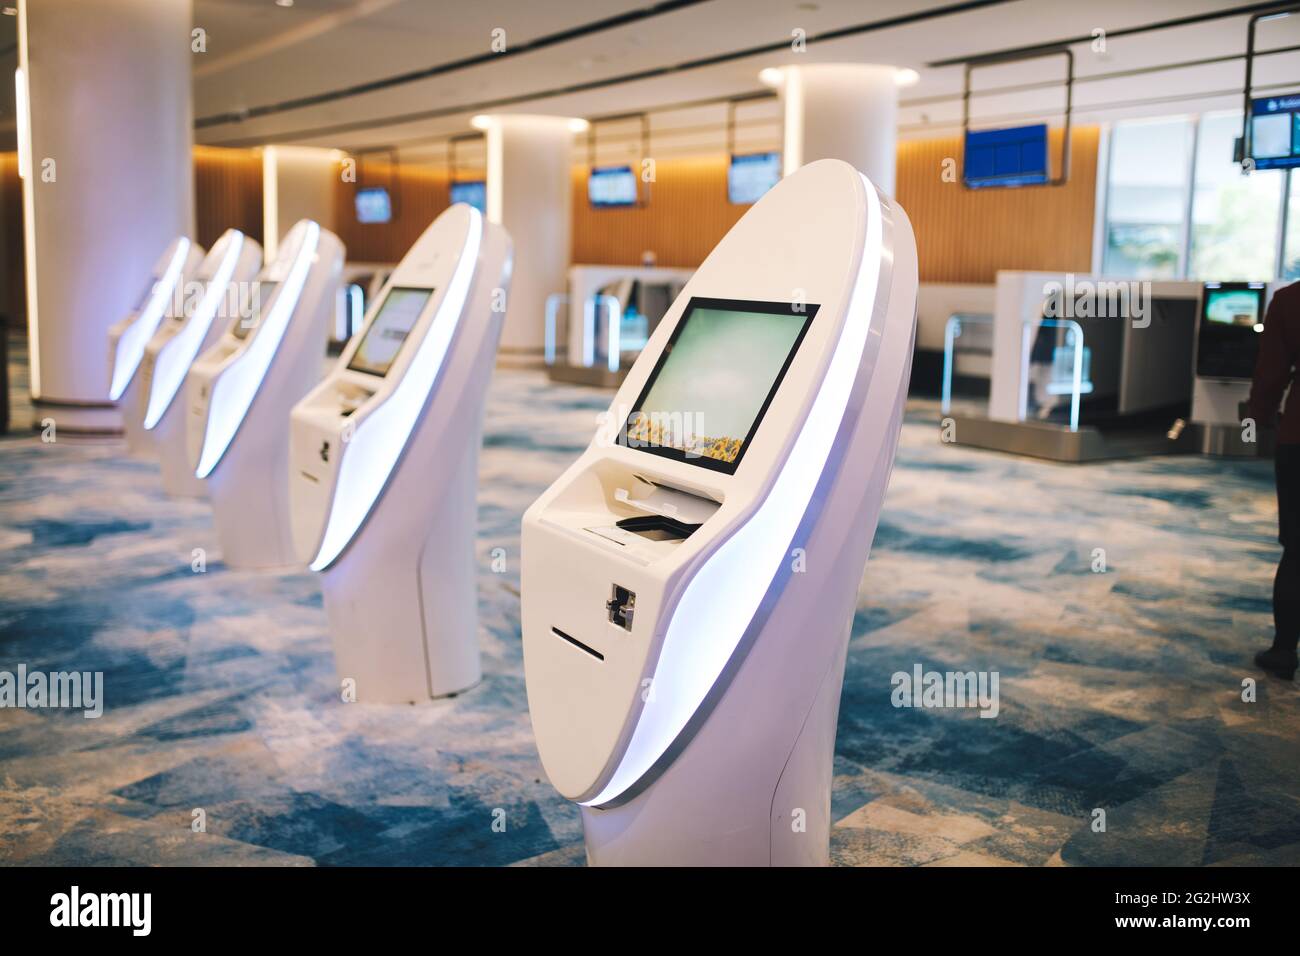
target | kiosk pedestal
[
  {"x": 384, "y": 466},
  {"x": 128, "y": 339},
  {"x": 240, "y": 393},
  {"x": 689, "y": 583},
  {"x": 1227, "y": 348},
  {"x": 222, "y": 281}
]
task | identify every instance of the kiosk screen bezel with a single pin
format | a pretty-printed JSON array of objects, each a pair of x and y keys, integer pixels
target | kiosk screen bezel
[
  {"x": 792, "y": 309},
  {"x": 370, "y": 369},
  {"x": 1226, "y": 351}
]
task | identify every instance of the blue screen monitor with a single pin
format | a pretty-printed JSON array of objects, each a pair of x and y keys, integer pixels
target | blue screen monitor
[
  {"x": 374, "y": 205},
  {"x": 472, "y": 192},
  {"x": 1006, "y": 157},
  {"x": 750, "y": 176},
  {"x": 1275, "y": 132},
  {"x": 610, "y": 187}
]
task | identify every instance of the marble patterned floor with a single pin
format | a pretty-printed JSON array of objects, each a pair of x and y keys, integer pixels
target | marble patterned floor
[{"x": 1119, "y": 691}]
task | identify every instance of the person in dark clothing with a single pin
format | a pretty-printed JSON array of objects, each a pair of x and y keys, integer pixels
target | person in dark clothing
[{"x": 1279, "y": 354}]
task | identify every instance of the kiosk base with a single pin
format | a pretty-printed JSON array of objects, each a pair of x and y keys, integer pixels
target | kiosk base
[
  {"x": 139, "y": 443},
  {"x": 403, "y": 612},
  {"x": 178, "y": 479},
  {"x": 751, "y": 810},
  {"x": 596, "y": 375},
  {"x": 250, "y": 506},
  {"x": 1057, "y": 443}
]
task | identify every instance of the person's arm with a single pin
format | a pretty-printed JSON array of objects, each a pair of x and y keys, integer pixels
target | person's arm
[{"x": 1273, "y": 368}]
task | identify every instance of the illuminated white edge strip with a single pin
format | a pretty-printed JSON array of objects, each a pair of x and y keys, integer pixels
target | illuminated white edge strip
[
  {"x": 705, "y": 628},
  {"x": 130, "y": 347},
  {"x": 236, "y": 387},
  {"x": 378, "y": 441},
  {"x": 23, "y": 115},
  {"x": 24, "y": 124},
  {"x": 175, "y": 359}
]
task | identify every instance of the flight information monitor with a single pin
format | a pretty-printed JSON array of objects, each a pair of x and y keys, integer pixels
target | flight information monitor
[
  {"x": 1227, "y": 340},
  {"x": 715, "y": 379},
  {"x": 1006, "y": 157},
  {"x": 752, "y": 175},
  {"x": 1275, "y": 132},
  {"x": 374, "y": 205},
  {"x": 383, "y": 339},
  {"x": 612, "y": 186},
  {"x": 472, "y": 192}
]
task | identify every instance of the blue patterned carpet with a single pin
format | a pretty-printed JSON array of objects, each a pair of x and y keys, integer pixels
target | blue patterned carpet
[{"x": 1120, "y": 691}]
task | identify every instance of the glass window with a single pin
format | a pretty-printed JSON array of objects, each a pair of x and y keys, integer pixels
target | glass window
[
  {"x": 1147, "y": 198},
  {"x": 1291, "y": 253},
  {"x": 1234, "y": 216}
]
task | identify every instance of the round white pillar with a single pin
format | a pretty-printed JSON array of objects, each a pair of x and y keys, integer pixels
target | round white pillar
[
  {"x": 529, "y": 191},
  {"x": 845, "y": 111},
  {"x": 108, "y": 183}
]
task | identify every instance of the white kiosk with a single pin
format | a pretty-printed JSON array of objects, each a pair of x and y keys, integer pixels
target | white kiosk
[
  {"x": 1227, "y": 347},
  {"x": 384, "y": 467},
  {"x": 127, "y": 338},
  {"x": 220, "y": 290},
  {"x": 688, "y": 585},
  {"x": 240, "y": 393}
]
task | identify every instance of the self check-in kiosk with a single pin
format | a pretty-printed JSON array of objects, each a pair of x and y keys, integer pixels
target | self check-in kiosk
[
  {"x": 127, "y": 338},
  {"x": 689, "y": 584},
  {"x": 384, "y": 467},
  {"x": 240, "y": 393},
  {"x": 221, "y": 290},
  {"x": 1227, "y": 347}
]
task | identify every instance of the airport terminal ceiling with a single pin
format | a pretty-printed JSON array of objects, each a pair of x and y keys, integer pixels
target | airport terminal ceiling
[{"x": 299, "y": 75}]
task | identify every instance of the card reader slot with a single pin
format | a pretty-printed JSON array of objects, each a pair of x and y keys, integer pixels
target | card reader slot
[
  {"x": 578, "y": 644},
  {"x": 662, "y": 524}
]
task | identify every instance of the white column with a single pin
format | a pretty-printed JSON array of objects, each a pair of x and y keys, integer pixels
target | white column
[
  {"x": 298, "y": 182},
  {"x": 109, "y": 182},
  {"x": 529, "y": 191},
  {"x": 845, "y": 111}
]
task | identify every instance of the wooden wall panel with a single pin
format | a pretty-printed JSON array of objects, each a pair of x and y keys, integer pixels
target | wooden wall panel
[
  {"x": 227, "y": 192},
  {"x": 967, "y": 235},
  {"x": 962, "y": 235},
  {"x": 419, "y": 193},
  {"x": 687, "y": 214},
  {"x": 13, "y": 302}
]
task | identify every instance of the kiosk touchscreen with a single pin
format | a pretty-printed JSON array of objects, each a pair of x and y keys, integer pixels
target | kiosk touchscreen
[
  {"x": 219, "y": 291},
  {"x": 1227, "y": 338},
  {"x": 384, "y": 467},
  {"x": 1227, "y": 347},
  {"x": 240, "y": 391},
  {"x": 689, "y": 584},
  {"x": 128, "y": 338}
]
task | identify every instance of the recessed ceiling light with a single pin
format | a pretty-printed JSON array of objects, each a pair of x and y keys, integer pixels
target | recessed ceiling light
[
  {"x": 771, "y": 76},
  {"x": 481, "y": 121},
  {"x": 284, "y": 3},
  {"x": 906, "y": 76}
]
